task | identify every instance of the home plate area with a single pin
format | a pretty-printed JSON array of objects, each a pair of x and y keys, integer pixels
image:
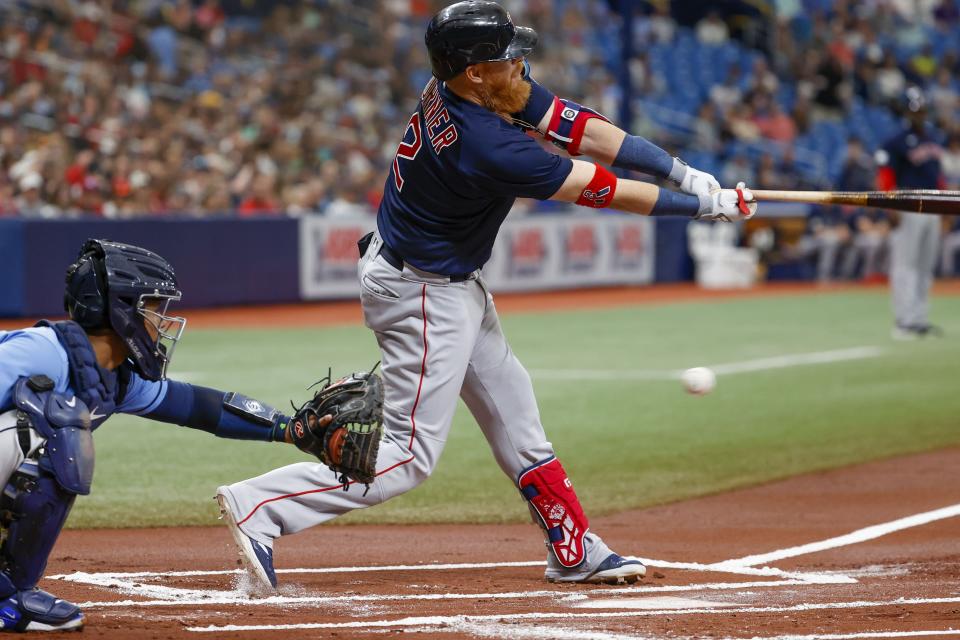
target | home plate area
[
  {"x": 864, "y": 552},
  {"x": 676, "y": 600}
]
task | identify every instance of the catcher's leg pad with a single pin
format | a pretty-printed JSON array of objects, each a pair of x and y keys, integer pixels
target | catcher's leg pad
[
  {"x": 33, "y": 509},
  {"x": 550, "y": 493}
]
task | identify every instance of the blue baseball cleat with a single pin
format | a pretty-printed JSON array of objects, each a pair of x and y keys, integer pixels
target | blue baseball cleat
[
  {"x": 601, "y": 566},
  {"x": 36, "y": 610},
  {"x": 257, "y": 557}
]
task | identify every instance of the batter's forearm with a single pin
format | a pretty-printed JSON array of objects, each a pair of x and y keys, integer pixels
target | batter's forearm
[
  {"x": 646, "y": 199},
  {"x": 602, "y": 140},
  {"x": 632, "y": 196},
  {"x": 612, "y": 145}
]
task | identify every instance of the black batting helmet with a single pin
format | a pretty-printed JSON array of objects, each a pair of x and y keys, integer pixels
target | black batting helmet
[
  {"x": 119, "y": 286},
  {"x": 474, "y": 31}
]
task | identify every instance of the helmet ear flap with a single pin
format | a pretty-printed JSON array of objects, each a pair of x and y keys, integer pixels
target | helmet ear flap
[{"x": 85, "y": 296}]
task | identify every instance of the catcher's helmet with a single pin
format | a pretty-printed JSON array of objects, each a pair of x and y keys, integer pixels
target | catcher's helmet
[
  {"x": 120, "y": 286},
  {"x": 474, "y": 31}
]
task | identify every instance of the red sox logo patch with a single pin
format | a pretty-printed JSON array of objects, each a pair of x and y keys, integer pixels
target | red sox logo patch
[{"x": 599, "y": 198}]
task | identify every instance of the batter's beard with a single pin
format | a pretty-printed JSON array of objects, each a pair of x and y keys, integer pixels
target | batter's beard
[{"x": 504, "y": 99}]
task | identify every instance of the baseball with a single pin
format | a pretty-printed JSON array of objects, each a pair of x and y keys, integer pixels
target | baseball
[{"x": 699, "y": 381}]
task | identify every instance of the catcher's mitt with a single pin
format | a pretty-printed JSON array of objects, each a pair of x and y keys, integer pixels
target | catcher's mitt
[{"x": 350, "y": 442}]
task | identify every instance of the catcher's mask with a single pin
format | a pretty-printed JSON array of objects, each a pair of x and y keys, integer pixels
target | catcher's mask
[{"x": 126, "y": 288}]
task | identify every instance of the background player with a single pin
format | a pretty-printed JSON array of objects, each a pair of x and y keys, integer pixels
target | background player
[
  {"x": 463, "y": 159},
  {"x": 60, "y": 381},
  {"x": 911, "y": 160}
]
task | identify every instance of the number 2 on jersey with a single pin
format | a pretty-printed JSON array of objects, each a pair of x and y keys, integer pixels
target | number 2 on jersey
[{"x": 407, "y": 150}]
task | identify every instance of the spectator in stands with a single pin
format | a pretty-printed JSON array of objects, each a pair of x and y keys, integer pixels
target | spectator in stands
[
  {"x": 663, "y": 27},
  {"x": 262, "y": 198},
  {"x": 951, "y": 247},
  {"x": 923, "y": 65},
  {"x": 768, "y": 174},
  {"x": 827, "y": 236},
  {"x": 833, "y": 91},
  {"x": 739, "y": 124},
  {"x": 871, "y": 228},
  {"x": 944, "y": 98},
  {"x": 712, "y": 30},
  {"x": 947, "y": 14},
  {"x": 737, "y": 165},
  {"x": 773, "y": 123},
  {"x": 890, "y": 80},
  {"x": 706, "y": 128},
  {"x": 761, "y": 78},
  {"x": 950, "y": 162},
  {"x": 30, "y": 203},
  {"x": 729, "y": 92}
]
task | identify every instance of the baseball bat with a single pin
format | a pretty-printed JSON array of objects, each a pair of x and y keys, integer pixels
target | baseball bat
[{"x": 912, "y": 200}]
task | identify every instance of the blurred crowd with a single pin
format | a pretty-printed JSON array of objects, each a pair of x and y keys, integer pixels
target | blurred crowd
[
  {"x": 119, "y": 109},
  {"x": 122, "y": 108},
  {"x": 826, "y": 80}
]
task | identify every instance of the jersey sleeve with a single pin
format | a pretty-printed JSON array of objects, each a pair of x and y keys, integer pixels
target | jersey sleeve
[
  {"x": 515, "y": 165},
  {"x": 143, "y": 396},
  {"x": 29, "y": 353}
]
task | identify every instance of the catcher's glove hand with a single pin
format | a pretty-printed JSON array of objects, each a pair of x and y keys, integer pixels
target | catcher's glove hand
[{"x": 342, "y": 425}]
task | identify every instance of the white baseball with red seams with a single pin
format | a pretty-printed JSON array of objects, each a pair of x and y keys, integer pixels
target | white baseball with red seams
[{"x": 699, "y": 380}]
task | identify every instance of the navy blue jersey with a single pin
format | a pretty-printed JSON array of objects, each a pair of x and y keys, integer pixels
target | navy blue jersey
[
  {"x": 456, "y": 175},
  {"x": 915, "y": 159}
]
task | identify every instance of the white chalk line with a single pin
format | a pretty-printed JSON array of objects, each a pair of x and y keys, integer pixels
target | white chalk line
[
  {"x": 728, "y": 368},
  {"x": 856, "y": 636},
  {"x": 234, "y": 598},
  {"x": 432, "y": 621},
  {"x": 134, "y": 584},
  {"x": 521, "y": 632},
  {"x": 562, "y": 633},
  {"x": 356, "y": 569},
  {"x": 855, "y": 537}
]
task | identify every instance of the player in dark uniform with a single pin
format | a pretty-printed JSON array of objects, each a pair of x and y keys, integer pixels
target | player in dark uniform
[
  {"x": 911, "y": 160},
  {"x": 464, "y": 158}
]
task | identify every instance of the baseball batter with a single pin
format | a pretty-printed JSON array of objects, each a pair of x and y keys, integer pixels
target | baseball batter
[
  {"x": 466, "y": 153},
  {"x": 61, "y": 380}
]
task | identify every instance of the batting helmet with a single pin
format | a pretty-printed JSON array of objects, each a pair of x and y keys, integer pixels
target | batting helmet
[
  {"x": 120, "y": 287},
  {"x": 474, "y": 31}
]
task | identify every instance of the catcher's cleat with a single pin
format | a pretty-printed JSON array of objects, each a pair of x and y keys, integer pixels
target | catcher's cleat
[
  {"x": 257, "y": 557},
  {"x": 601, "y": 566},
  {"x": 36, "y": 610}
]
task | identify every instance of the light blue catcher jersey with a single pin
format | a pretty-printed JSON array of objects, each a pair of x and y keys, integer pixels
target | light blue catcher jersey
[{"x": 36, "y": 351}]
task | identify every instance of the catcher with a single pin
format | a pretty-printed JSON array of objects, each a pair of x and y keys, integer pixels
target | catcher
[{"x": 61, "y": 380}]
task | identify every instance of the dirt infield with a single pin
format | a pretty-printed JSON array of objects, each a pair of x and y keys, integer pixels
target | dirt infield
[{"x": 899, "y": 573}]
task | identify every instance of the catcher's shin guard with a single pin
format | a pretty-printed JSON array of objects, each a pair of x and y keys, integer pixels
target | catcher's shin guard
[
  {"x": 557, "y": 509},
  {"x": 33, "y": 508}
]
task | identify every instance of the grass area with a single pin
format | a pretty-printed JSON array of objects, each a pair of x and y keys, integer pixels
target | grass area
[{"x": 626, "y": 443}]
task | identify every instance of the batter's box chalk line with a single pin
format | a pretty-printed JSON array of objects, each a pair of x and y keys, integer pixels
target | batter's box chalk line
[
  {"x": 434, "y": 621},
  {"x": 139, "y": 585}
]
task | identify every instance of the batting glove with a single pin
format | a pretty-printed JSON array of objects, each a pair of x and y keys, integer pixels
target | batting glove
[
  {"x": 729, "y": 205},
  {"x": 693, "y": 181}
]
